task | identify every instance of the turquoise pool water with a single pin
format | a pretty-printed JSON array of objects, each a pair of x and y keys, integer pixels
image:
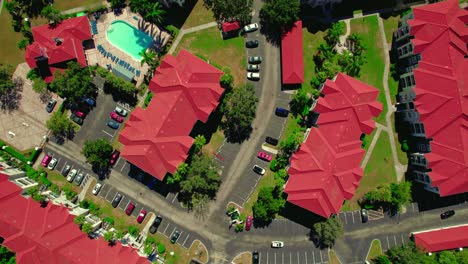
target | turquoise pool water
[{"x": 128, "y": 38}]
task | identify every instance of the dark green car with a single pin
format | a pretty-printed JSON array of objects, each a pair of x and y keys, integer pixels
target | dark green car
[{"x": 76, "y": 119}]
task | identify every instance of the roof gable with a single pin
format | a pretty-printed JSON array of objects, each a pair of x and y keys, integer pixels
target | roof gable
[{"x": 292, "y": 59}]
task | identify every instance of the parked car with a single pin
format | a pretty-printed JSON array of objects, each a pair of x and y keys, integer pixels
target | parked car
[
  {"x": 52, "y": 164},
  {"x": 255, "y": 76},
  {"x": 156, "y": 224},
  {"x": 248, "y": 222},
  {"x": 71, "y": 175},
  {"x": 251, "y": 27},
  {"x": 255, "y": 59},
  {"x": 116, "y": 117},
  {"x": 66, "y": 170},
  {"x": 364, "y": 215},
  {"x": 76, "y": 119},
  {"x": 130, "y": 208},
  {"x": 97, "y": 188},
  {"x": 447, "y": 214},
  {"x": 89, "y": 101},
  {"x": 255, "y": 257},
  {"x": 120, "y": 111},
  {"x": 46, "y": 160},
  {"x": 141, "y": 216},
  {"x": 112, "y": 124},
  {"x": 258, "y": 169},
  {"x": 175, "y": 236},
  {"x": 50, "y": 105},
  {"x": 281, "y": 112},
  {"x": 271, "y": 141},
  {"x": 116, "y": 200},
  {"x": 253, "y": 67},
  {"x": 79, "y": 178},
  {"x": 277, "y": 244},
  {"x": 251, "y": 43},
  {"x": 79, "y": 114},
  {"x": 114, "y": 157},
  {"x": 264, "y": 156}
]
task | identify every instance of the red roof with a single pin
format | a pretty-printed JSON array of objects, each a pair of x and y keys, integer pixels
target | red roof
[
  {"x": 326, "y": 170},
  {"x": 292, "y": 57},
  {"x": 440, "y": 35},
  {"x": 230, "y": 26},
  {"x": 72, "y": 32},
  {"x": 49, "y": 235},
  {"x": 186, "y": 89},
  {"x": 442, "y": 239}
]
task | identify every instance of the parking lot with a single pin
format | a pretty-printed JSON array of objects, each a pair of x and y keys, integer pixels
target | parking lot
[{"x": 293, "y": 255}]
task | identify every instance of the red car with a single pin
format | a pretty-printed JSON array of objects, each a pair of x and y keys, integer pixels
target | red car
[
  {"x": 116, "y": 117},
  {"x": 129, "y": 209},
  {"x": 141, "y": 216},
  {"x": 262, "y": 155},
  {"x": 80, "y": 114},
  {"x": 248, "y": 223},
  {"x": 46, "y": 160},
  {"x": 114, "y": 157}
]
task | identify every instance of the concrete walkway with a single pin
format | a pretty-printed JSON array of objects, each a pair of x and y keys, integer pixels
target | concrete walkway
[
  {"x": 83, "y": 8},
  {"x": 182, "y": 32}
]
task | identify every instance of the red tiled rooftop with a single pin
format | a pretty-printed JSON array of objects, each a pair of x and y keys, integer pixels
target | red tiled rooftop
[
  {"x": 326, "y": 170},
  {"x": 230, "y": 26},
  {"x": 440, "y": 35},
  {"x": 292, "y": 57},
  {"x": 49, "y": 235},
  {"x": 442, "y": 239},
  {"x": 186, "y": 89}
]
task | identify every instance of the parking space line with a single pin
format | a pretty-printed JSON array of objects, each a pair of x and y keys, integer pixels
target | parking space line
[
  {"x": 402, "y": 239},
  {"x": 298, "y": 258},
  {"x": 186, "y": 239},
  {"x": 394, "y": 238},
  {"x": 275, "y": 257},
  {"x": 305, "y": 253},
  {"x": 321, "y": 258},
  {"x": 388, "y": 243},
  {"x": 345, "y": 218},
  {"x": 267, "y": 257},
  {"x": 313, "y": 256},
  {"x": 282, "y": 257},
  {"x": 352, "y": 214},
  {"x": 123, "y": 166},
  {"x": 175, "y": 196},
  {"x": 164, "y": 232},
  {"x": 290, "y": 257},
  {"x": 117, "y": 162},
  {"x": 173, "y": 231},
  {"x": 105, "y": 132}
]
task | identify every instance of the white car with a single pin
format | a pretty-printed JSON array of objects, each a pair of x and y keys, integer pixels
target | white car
[
  {"x": 97, "y": 188},
  {"x": 52, "y": 164},
  {"x": 251, "y": 27},
  {"x": 71, "y": 175},
  {"x": 121, "y": 111},
  {"x": 253, "y": 76},
  {"x": 277, "y": 244},
  {"x": 258, "y": 169}
]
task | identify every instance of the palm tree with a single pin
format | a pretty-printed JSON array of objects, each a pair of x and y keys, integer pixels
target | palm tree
[{"x": 155, "y": 13}]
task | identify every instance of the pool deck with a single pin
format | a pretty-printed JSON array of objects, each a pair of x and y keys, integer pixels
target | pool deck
[{"x": 105, "y": 20}]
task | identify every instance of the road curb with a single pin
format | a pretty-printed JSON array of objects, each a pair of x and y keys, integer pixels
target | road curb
[
  {"x": 375, "y": 239},
  {"x": 240, "y": 254},
  {"x": 207, "y": 253}
]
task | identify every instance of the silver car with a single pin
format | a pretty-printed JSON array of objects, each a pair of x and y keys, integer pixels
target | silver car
[
  {"x": 79, "y": 178},
  {"x": 52, "y": 164},
  {"x": 97, "y": 188},
  {"x": 255, "y": 59},
  {"x": 253, "y": 68},
  {"x": 251, "y": 27},
  {"x": 71, "y": 175}
]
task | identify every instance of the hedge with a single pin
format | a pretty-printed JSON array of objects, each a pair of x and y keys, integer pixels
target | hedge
[{"x": 148, "y": 98}]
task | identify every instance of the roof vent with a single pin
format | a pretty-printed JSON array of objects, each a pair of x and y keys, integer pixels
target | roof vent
[{"x": 58, "y": 41}]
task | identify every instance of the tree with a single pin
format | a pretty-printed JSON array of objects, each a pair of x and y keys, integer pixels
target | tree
[
  {"x": 22, "y": 44},
  {"x": 382, "y": 259},
  {"x": 118, "y": 234},
  {"x": 280, "y": 14},
  {"x": 6, "y": 256},
  {"x": 240, "y": 10},
  {"x": 155, "y": 13},
  {"x": 109, "y": 236},
  {"x": 198, "y": 144},
  {"x": 239, "y": 112},
  {"x": 401, "y": 194},
  {"x": 79, "y": 220},
  {"x": 382, "y": 194},
  {"x": 87, "y": 228},
  {"x": 270, "y": 201},
  {"x": 97, "y": 153},
  {"x": 151, "y": 58},
  {"x": 447, "y": 257},
  {"x": 329, "y": 231},
  {"x": 39, "y": 86},
  {"x": 408, "y": 254},
  {"x": 333, "y": 34},
  {"x": 117, "y": 3},
  {"x": 179, "y": 175},
  {"x": 6, "y": 79},
  {"x": 462, "y": 256},
  {"x": 52, "y": 14},
  {"x": 301, "y": 102},
  {"x": 74, "y": 83},
  {"x": 227, "y": 80},
  {"x": 60, "y": 125},
  {"x": 133, "y": 231}
]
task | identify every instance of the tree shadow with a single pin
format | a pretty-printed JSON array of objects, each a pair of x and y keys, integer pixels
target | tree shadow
[
  {"x": 45, "y": 96},
  {"x": 176, "y": 15},
  {"x": 11, "y": 99}
]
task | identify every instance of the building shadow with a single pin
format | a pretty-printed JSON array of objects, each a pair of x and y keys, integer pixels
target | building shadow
[
  {"x": 176, "y": 15},
  {"x": 300, "y": 216}
]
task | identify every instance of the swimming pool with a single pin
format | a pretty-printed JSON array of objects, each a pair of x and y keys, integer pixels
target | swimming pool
[{"x": 128, "y": 38}]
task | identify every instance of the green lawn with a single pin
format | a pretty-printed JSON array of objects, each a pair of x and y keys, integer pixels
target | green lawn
[
  {"x": 267, "y": 180},
  {"x": 209, "y": 45},
  {"x": 372, "y": 71},
  {"x": 199, "y": 16},
  {"x": 390, "y": 25},
  {"x": 311, "y": 42},
  {"x": 61, "y": 181},
  {"x": 69, "y": 4},
  {"x": 9, "y": 53},
  {"x": 379, "y": 170},
  {"x": 375, "y": 250}
]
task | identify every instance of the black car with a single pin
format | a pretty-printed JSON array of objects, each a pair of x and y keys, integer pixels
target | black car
[
  {"x": 66, "y": 170},
  {"x": 155, "y": 225},
  {"x": 364, "y": 215},
  {"x": 175, "y": 236},
  {"x": 76, "y": 119},
  {"x": 255, "y": 257},
  {"x": 251, "y": 43},
  {"x": 281, "y": 112},
  {"x": 447, "y": 214},
  {"x": 116, "y": 200},
  {"x": 271, "y": 141},
  {"x": 50, "y": 105}
]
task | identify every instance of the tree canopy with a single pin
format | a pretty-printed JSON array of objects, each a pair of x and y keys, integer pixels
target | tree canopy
[
  {"x": 202, "y": 178},
  {"x": 239, "y": 112},
  {"x": 270, "y": 201},
  {"x": 60, "y": 125},
  {"x": 280, "y": 14},
  {"x": 74, "y": 83},
  {"x": 396, "y": 195},
  {"x": 6, "y": 256},
  {"x": 240, "y": 10},
  {"x": 333, "y": 34},
  {"x": 301, "y": 102},
  {"x": 151, "y": 11},
  {"x": 52, "y": 14},
  {"x": 6, "y": 79},
  {"x": 329, "y": 231},
  {"x": 97, "y": 153}
]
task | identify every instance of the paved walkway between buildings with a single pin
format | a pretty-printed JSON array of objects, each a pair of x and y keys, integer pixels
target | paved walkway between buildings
[
  {"x": 83, "y": 8},
  {"x": 182, "y": 32}
]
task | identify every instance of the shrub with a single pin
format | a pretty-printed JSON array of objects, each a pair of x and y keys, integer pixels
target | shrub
[
  {"x": 55, "y": 189},
  {"x": 44, "y": 180},
  {"x": 109, "y": 220},
  {"x": 148, "y": 98},
  {"x": 161, "y": 248},
  {"x": 69, "y": 193},
  {"x": 239, "y": 228},
  {"x": 133, "y": 231},
  {"x": 173, "y": 31},
  {"x": 150, "y": 240}
]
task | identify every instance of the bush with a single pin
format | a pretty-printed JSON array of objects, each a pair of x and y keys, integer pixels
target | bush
[
  {"x": 239, "y": 228},
  {"x": 148, "y": 98},
  {"x": 70, "y": 194},
  {"x": 150, "y": 240},
  {"x": 133, "y": 231},
  {"x": 161, "y": 248},
  {"x": 55, "y": 189},
  {"x": 45, "y": 181},
  {"x": 109, "y": 220},
  {"x": 173, "y": 31}
]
